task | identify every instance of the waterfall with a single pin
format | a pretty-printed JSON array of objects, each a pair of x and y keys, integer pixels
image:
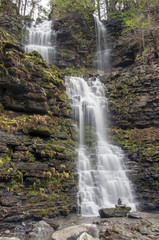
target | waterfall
[
  {"x": 102, "y": 175},
  {"x": 102, "y": 57},
  {"x": 40, "y": 38}
]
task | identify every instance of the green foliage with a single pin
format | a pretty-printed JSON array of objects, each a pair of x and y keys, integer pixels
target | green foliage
[
  {"x": 64, "y": 7},
  {"x": 142, "y": 58},
  {"x": 135, "y": 22},
  {"x": 139, "y": 15}
]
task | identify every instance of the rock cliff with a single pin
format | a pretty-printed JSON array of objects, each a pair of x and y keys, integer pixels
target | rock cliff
[
  {"x": 76, "y": 42},
  {"x": 37, "y": 138},
  {"x": 133, "y": 111}
]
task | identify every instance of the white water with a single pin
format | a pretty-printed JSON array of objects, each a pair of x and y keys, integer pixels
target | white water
[
  {"x": 102, "y": 175},
  {"x": 102, "y": 57},
  {"x": 39, "y": 39}
]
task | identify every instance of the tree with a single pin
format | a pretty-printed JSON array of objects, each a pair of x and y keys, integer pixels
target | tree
[
  {"x": 28, "y": 7},
  {"x": 140, "y": 21},
  {"x": 98, "y": 8},
  {"x": 64, "y": 7}
]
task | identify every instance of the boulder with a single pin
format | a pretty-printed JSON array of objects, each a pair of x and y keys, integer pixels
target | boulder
[
  {"x": 41, "y": 231},
  {"x": 9, "y": 238},
  {"x": 20, "y": 232},
  {"x": 86, "y": 236},
  {"x": 135, "y": 215},
  {"x": 114, "y": 212},
  {"x": 74, "y": 232}
]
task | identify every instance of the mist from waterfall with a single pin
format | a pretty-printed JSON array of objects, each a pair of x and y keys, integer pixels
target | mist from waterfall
[
  {"x": 42, "y": 38},
  {"x": 101, "y": 170},
  {"x": 102, "y": 57}
]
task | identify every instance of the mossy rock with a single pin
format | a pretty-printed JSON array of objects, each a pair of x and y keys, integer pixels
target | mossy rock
[
  {"x": 41, "y": 131},
  {"x": 114, "y": 212}
]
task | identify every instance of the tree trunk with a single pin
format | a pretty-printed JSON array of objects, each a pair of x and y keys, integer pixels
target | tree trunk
[
  {"x": 25, "y": 6},
  {"x": 113, "y": 5},
  {"x": 155, "y": 42},
  {"x": 98, "y": 8},
  {"x": 107, "y": 6}
]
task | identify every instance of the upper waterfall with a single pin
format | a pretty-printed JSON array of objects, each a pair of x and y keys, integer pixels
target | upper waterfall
[
  {"x": 102, "y": 57},
  {"x": 42, "y": 38},
  {"x": 102, "y": 175}
]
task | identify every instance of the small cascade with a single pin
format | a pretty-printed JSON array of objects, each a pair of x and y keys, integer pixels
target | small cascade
[
  {"x": 102, "y": 57},
  {"x": 102, "y": 175},
  {"x": 42, "y": 39}
]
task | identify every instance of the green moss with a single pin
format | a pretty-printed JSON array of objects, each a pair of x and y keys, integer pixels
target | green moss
[
  {"x": 64, "y": 210},
  {"x": 40, "y": 130},
  {"x": 39, "y": 213},
  {"x": 31, "y": 157}
]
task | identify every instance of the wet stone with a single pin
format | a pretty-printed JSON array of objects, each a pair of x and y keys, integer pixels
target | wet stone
[{"x": 114, "y": 212}]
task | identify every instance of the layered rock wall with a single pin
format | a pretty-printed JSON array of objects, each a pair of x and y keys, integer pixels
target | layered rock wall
[
  {"x": 134, "y": 110},
  {"x": 76, "y": 42},
  {"x": 37, "y": 138}
]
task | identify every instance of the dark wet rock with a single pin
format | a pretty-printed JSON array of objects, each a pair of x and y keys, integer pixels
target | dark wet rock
[
  {"x": 114, "y": 212},
  {"x": 75, "y": 50}
]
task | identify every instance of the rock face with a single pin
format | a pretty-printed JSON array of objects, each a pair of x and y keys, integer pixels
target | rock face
[
  {"x": 37, "y": 140},
  {"x": 134, "y": 110},
  {"x": 9, "y": 20},
  {"x": 133, "y": 96},
  {"x": 76, "y": 43},
  {"x": 114, "y": 212}
]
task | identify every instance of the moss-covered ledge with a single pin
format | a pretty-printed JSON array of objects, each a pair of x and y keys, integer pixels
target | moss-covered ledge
[
  {"x": 141, "y": 147},
  {"x": 37, "y": 138}
]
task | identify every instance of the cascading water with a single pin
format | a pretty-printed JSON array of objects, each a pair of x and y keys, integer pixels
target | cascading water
[
  {"x": 40, "y": 38},
  {"x": 102, "y": 175},
  {"x": 102, "y": 58}
]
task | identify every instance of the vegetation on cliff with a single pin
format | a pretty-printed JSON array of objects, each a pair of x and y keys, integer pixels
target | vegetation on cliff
[
  {"x": 37, "y": 157},
  {"x": 37, "y": 140}
]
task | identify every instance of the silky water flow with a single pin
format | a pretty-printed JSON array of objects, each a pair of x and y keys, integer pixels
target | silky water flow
[
  {"x": 102, "y": 174},
  {"x": 42, "y": 38},
  {"x": 102, "y": 57}
]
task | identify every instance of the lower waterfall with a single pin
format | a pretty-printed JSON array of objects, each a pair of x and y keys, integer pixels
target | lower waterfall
[{"x": 102, "y": 174}]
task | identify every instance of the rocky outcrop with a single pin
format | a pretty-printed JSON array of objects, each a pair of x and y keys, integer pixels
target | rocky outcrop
[
  {"x": 114, "y": 212},
  {"x": 126, "y": 229},
  {"x": 9, "y": 20},
  {"x": 133, "y": 96},
  {"x": 134, "y": 109},
  {"x": 37, "y": 140},
  {"x": 76, "y": 43}
]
